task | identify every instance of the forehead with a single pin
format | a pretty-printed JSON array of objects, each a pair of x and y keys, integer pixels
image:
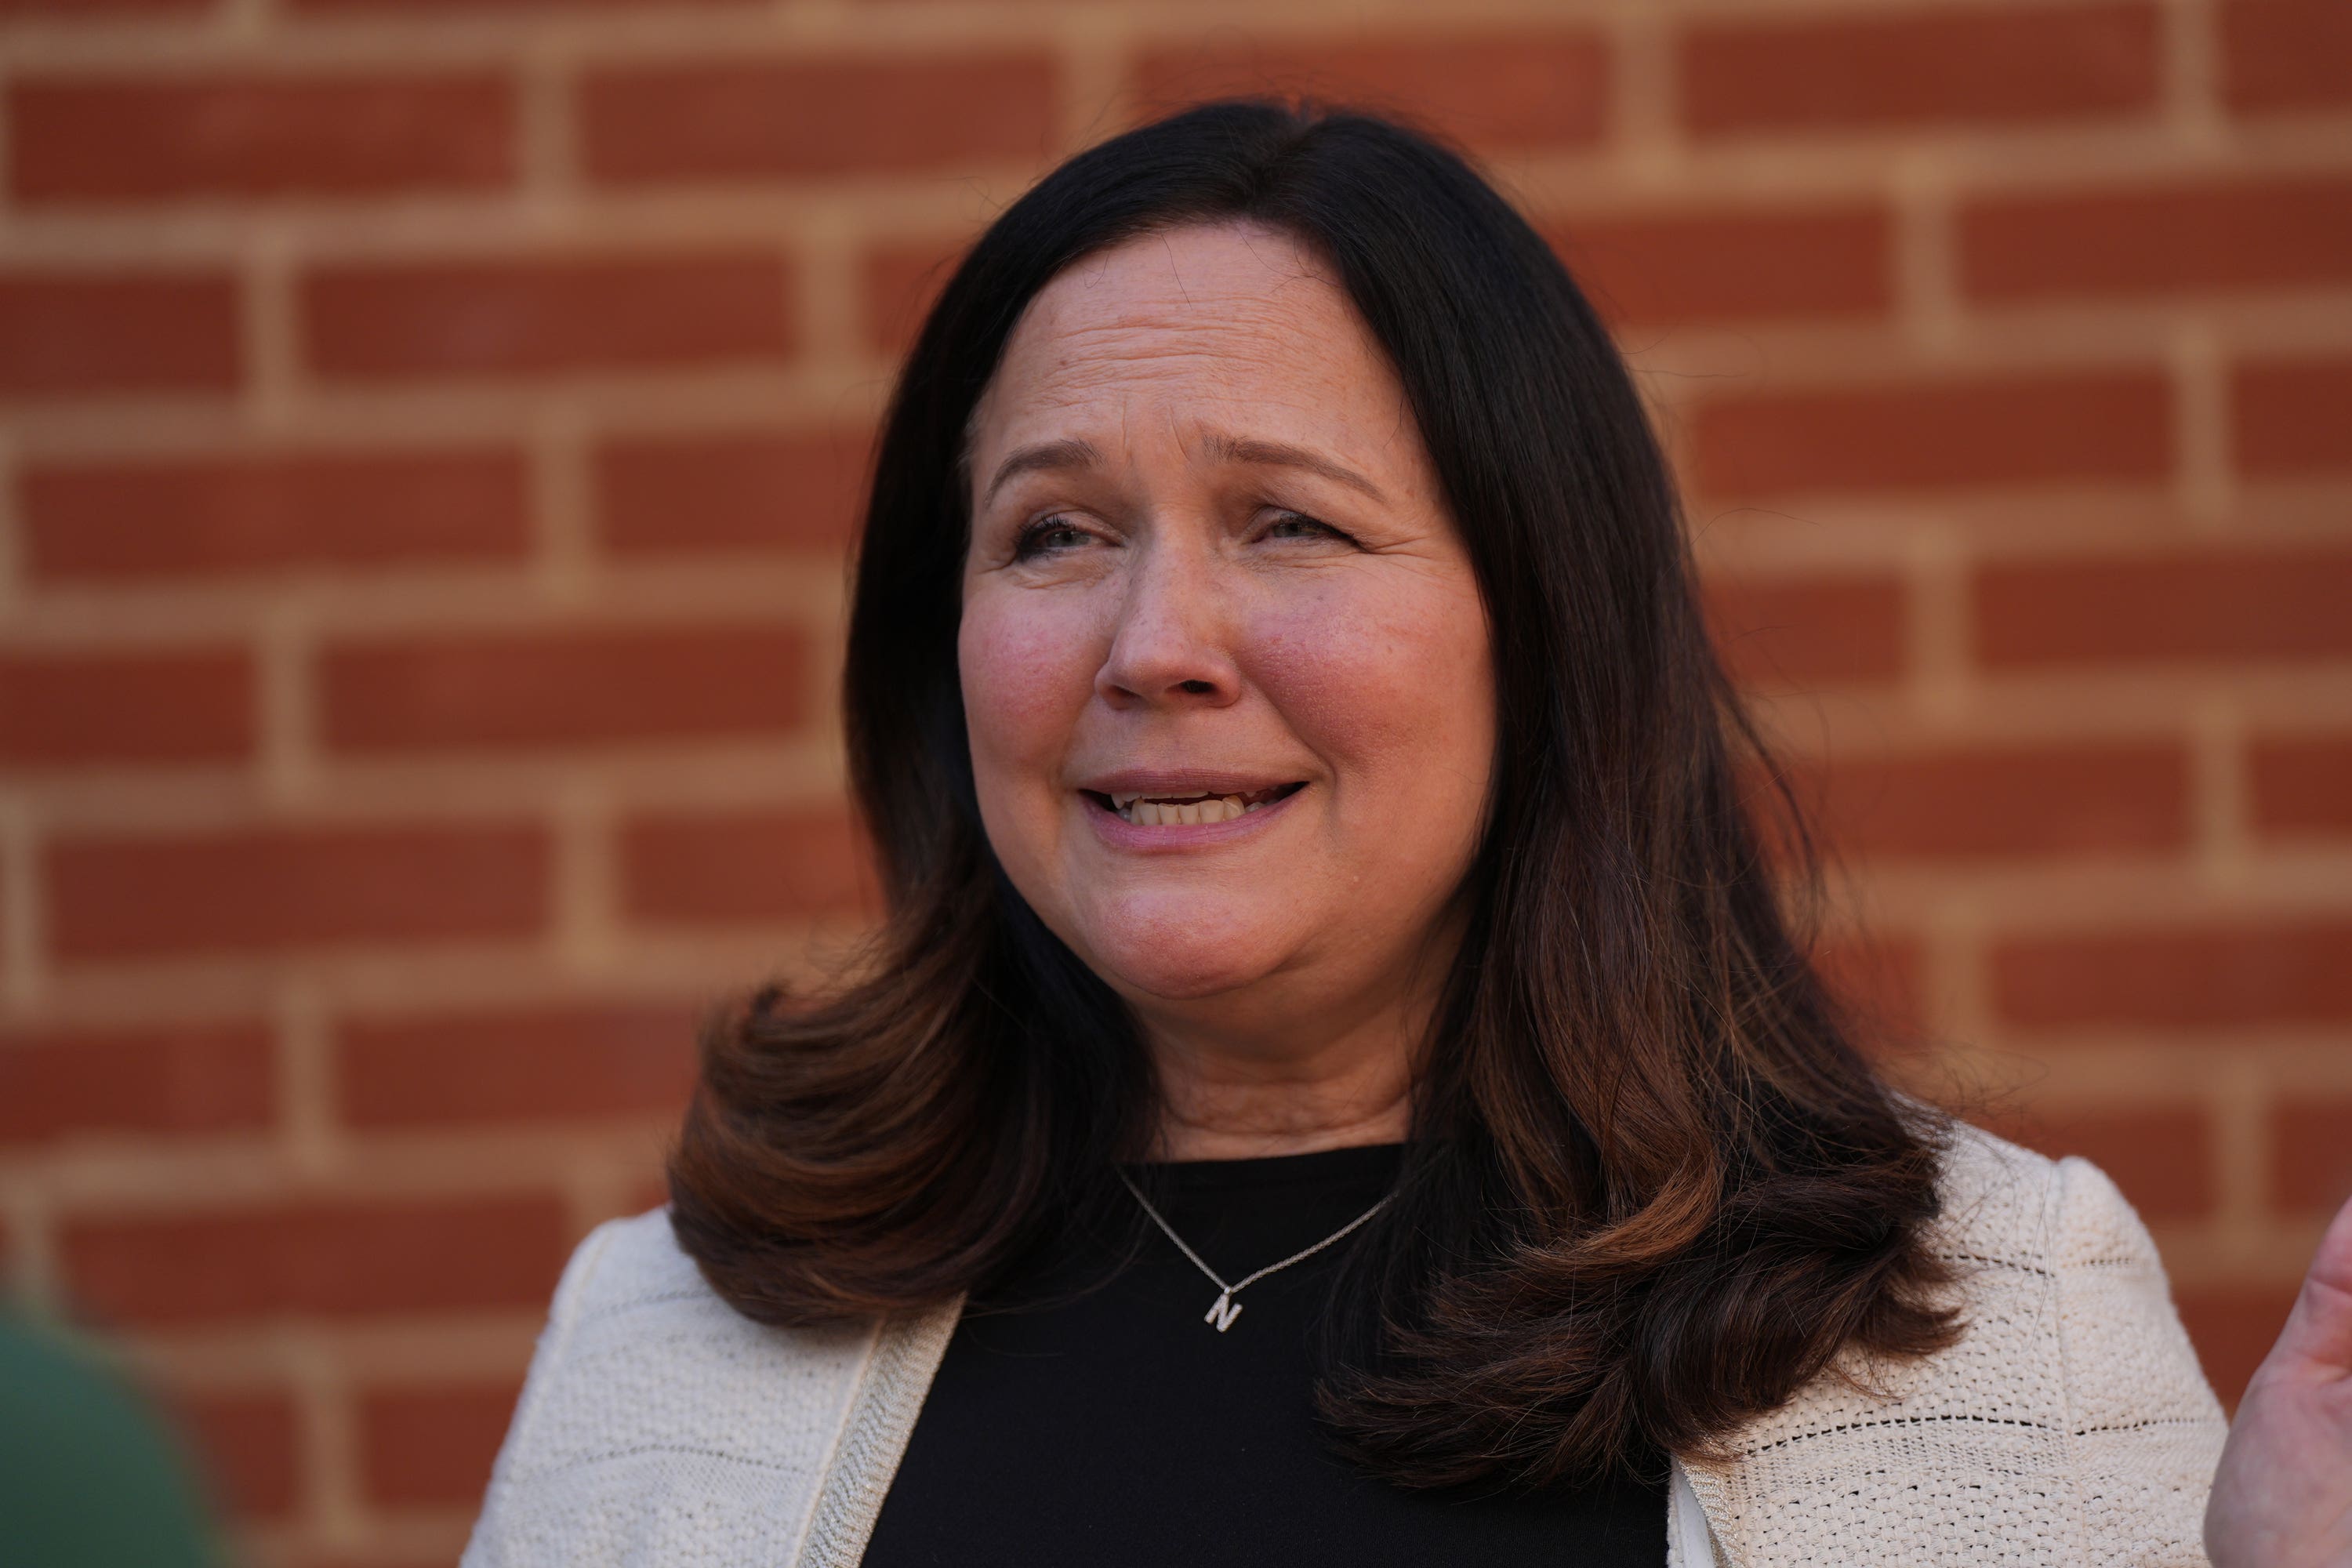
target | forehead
[{"x": 1222, "y": 322}]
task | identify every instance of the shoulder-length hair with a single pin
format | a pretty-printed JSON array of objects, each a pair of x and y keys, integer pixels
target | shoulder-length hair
[{"x": 1653, "y": 1185}]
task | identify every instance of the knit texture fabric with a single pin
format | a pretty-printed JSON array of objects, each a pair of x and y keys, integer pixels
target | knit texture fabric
[
  {"x": 659, "y": 1426},
  {"x": 2069, "y": 1426}
]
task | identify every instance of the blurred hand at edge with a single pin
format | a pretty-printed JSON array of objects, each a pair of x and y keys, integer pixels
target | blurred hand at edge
[{"x": 2283, "y": 1494}]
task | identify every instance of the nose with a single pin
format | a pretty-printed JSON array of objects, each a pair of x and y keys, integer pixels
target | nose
[{"x": 1173, "y": 642}]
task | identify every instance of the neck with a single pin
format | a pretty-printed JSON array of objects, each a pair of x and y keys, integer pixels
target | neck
[
  {"x": 1311, "y": 1058},
  {"x": 1242, "y": 1077},
  {"x": 1217, "y": 1104}
]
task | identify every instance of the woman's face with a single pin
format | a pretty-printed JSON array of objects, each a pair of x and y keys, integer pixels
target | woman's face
[{"x": 1224, "y": 662}]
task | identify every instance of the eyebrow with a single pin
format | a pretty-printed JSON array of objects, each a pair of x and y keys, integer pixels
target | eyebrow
[
  {"x": 1044, "y": 456},
  {"x": 1283, "y": 455},
  {"x": 1075, "y": 454}
]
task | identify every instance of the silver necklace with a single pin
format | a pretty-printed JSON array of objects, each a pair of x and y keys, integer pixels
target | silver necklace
[{"x": 1224, "y": 1309}]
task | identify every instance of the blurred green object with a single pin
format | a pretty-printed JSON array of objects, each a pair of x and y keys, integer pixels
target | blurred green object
[{"x": 89, "y": 1475}]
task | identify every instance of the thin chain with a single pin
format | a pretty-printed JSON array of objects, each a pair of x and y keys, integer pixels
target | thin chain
[{"x": 1253, "y": 1278}]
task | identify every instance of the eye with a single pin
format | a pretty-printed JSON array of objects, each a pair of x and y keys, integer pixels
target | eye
[
  {"x": 1047, "y": 536},
  {"x": 1298, "y": 525}
]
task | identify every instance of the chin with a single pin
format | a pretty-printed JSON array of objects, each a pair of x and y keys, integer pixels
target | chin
[
  {"x": 1179, "y": 976},
  {"x": 1180, "y": 963}
]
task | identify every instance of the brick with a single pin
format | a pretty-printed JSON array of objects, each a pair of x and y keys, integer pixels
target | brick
[
  {"x": 102, "y": 10},
  {"x": 1957, "y": 67},
  {"x": 2181, "y": 237},
  {"x": 215, "y": 515},
  {"x": 2057, "y": 428},
  {"x": 1969, "y": 805},
  {"x": 897, "y": 284},
  {"x": 1882, "y": 981},
  {"x": 2245, "y": 602},
  {"x": 1807, "y": 631},
  {"x": 2292, "y": 417},
  {"x": 287, "y": 888},
  {"x": 2301, "y": 783},
  {"x": 370, "y": 1556},
  {"x": 749, "y": 867},
  {"x": 562, "y": 1063},
  {"x": 247, "y": 1448},
  {"x": 188, "y": 1078},
  {"x": 71, "y": 333},
  {"x": 2282, "y": 971},
  {"x": 546, "y": 316},
  {"x": 748, "y": 490},
  {"x": 1523, "y": 90},
  {"x": 1665, "y": 268},
  {"x": 322, "y": 1258},
  {"x": 2234, "y": 1328},
  {"x": 178, "y": 705},
  {"x": 566, "y": 686},
  {"x": 432, "y": 1447},
  {"x": 132, "y": 139},
  {"x": 2161, "y": 1156},
  {"x": 651, "y": 1193},
  {"x": 716, "y": 120},
  {"x": 437, "y": 9},
  {"x": 2311, "y": 1154},
  {"x": 2285, "y": 54}
]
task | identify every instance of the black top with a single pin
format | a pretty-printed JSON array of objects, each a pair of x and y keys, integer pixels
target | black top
[{"x": 1112, "y": 1423}]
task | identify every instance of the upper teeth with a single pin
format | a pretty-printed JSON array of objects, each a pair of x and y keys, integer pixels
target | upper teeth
[{"x": 1165, "y": 811}]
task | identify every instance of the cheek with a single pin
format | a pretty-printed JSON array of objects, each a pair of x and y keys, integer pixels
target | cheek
[
  {"x": 1394, "y": 690},
  {"x": 1025, "y": 679}
]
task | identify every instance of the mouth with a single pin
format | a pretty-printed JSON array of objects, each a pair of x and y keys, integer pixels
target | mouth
[{"x": 1190, "y": 808}]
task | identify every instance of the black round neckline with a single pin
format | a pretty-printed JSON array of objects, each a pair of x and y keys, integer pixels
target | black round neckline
[{"x": 1353, "y": 1162}]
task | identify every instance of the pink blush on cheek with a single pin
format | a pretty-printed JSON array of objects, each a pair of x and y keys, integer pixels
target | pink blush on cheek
[
  {"x": 1355, "y": 683},
  {"x": 1026, "y": 681}
]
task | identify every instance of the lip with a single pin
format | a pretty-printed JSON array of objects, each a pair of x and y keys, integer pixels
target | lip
[
  {"x": 1119, "y": 833},
  {"x": 1184, "y": 781}
]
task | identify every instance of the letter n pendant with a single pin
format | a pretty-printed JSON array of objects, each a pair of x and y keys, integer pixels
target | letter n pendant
[{"x": 1223, "y": 1312}]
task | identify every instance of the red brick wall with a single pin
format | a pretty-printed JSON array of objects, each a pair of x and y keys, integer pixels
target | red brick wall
[{"x": 428, "y": 429}]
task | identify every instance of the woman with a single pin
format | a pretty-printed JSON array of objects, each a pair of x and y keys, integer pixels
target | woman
[{"x": 1323, "y": 891}]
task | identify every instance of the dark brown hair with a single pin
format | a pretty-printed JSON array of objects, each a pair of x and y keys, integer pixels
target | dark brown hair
[{"x": 1653, "y": 1183}]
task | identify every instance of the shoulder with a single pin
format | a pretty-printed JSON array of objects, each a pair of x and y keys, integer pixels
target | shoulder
[
  {"x": 655, "y": 1415},
  {"x": 2005, "y": 1208},
  {"x": 630, "y": 1260},
  {"x": 2007, "y": 1211},
  {"x": 2070, "y": 1422},
  {"x": 633, "y": 1311}
]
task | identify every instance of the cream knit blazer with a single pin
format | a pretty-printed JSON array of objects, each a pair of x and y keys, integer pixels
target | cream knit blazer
[{"x": 2070, "y": 1424}]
